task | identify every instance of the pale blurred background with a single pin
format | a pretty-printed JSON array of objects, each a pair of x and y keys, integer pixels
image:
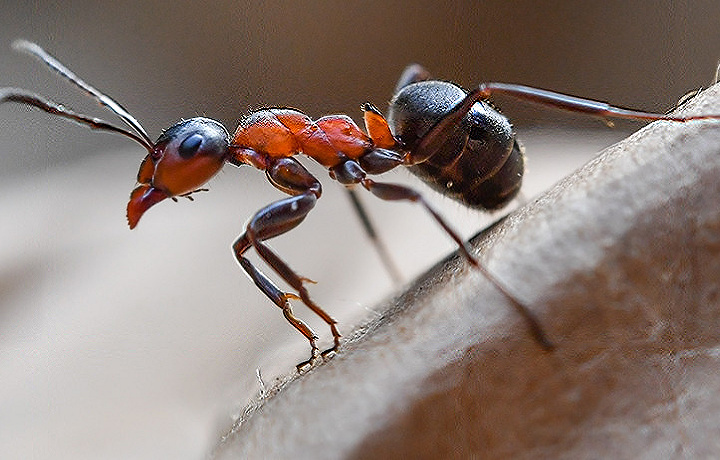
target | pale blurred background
[{"x": 145, "y": 344}]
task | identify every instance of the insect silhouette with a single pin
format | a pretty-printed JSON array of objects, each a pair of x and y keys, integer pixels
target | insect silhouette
[{"x": 453, "y": 139}]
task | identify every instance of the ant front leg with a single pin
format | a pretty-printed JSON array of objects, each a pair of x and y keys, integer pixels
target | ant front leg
[{"x": 275, "y": 219}]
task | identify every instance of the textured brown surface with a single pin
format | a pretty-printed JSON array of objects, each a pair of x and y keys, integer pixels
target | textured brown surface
[
  {"x": 119, "y": 344},
  {"x": 620, "y": 261}
]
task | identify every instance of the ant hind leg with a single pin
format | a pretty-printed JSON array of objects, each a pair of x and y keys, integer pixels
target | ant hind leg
[{"x": 396, "y": 192}]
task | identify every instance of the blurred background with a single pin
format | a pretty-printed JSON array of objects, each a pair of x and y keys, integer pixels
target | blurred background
[{"x": 145, "y": 344}]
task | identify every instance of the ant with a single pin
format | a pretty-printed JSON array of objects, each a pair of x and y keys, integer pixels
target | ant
[{"x": 453, "y": 139}]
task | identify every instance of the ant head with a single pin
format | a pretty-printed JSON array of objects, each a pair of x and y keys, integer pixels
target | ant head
[{"x": 184, "y": 157}]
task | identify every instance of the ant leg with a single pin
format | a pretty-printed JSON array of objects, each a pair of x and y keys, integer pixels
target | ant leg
[
  {"x": 399, "y": 192},
  {"x": 573, "y": 103},
  {"x": 350, "y": 171},
  {"x": 297, "y": 282},
  {"x": 375, "y": 239},
  {"x": 394, "y": 192},
  {"x": 280, "y": 217},
  {"x": 274, "y": 220},
  {"x": 433, "y": 139},
  {"x": 436, "y": 135},
  {"x": 278, "y": 297},
  {"x": 382, "y": 158}
]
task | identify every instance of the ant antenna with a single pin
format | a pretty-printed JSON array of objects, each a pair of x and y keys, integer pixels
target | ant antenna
[
  {"x": 56, "y": 109},
  {"x": 22, "y": 96}
]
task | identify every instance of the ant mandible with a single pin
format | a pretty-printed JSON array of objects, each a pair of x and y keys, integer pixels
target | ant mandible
[{"x": 454, "y": 140}]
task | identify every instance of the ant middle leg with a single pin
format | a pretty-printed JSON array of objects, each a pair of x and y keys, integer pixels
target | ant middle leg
[{"x": 378, "y": 243}]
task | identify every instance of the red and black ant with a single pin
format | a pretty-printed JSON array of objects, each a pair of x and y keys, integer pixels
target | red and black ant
[{"x": 454, "y": 140}]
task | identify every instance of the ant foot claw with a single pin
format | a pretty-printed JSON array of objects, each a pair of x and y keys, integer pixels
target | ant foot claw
[{"x": 329, "y": 352}]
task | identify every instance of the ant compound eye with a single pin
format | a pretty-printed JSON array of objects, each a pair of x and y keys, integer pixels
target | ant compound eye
[
  {"x": 188, "y": 139},
  {"x": 190, "y": 146}
]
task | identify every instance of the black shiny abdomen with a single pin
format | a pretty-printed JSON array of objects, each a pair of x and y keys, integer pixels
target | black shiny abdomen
[{"x": 481, "y": 165}]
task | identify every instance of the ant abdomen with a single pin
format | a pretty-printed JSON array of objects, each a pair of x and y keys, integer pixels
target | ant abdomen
[{"x": 480, "y": 164}]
